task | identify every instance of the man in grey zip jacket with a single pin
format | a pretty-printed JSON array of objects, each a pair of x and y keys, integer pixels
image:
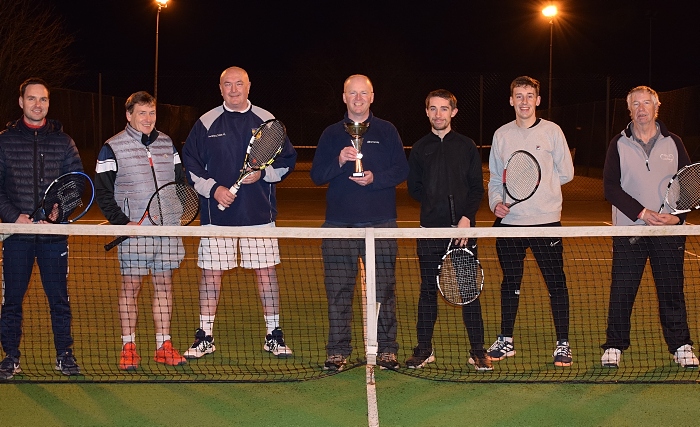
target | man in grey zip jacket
[{"x": 640, "y": 162}]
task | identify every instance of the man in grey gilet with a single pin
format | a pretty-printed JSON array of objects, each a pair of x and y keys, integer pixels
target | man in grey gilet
[{"x": 130, "y": 167}]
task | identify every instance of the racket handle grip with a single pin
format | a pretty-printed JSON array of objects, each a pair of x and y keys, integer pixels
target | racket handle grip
[
  {"x": 233, "y": 190},
  {"x": 109, "y": 246}
]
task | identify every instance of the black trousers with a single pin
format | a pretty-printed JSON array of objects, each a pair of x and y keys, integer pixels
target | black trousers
[
  {"x": 665, "y": 255},
  {"x": 430, "y": 252},
  {"x": 548, "y": 252}
]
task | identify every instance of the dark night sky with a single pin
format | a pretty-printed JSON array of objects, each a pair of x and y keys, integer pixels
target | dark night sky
[{"x": 202, "y": 37}]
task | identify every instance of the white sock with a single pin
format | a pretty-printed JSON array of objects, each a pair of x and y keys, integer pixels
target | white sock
[
  {"x": 126, "y": 339},
  {"x": 160, "y": 339},
  {"x": 508, "y": 339},
  {"x": 272, "y": 322},
  {"x": 206, "y": 323}
]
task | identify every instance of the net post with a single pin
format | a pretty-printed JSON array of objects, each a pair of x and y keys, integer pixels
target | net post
[{"x": 371, "y": 314}]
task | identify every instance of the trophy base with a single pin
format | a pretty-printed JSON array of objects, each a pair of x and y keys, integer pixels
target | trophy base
[{"x": 358, "y": 174}]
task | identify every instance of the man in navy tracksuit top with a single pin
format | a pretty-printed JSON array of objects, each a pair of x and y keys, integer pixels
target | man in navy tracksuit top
[
  {"x": 366, "y": 201},
  {"x": 212, "y": 155},
  {"x": 640, "y": 161}
]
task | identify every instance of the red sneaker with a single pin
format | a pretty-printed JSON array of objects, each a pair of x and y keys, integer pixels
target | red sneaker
[
  {"x": 129, "y": 359},
  {"x": 168, "y": 355}
]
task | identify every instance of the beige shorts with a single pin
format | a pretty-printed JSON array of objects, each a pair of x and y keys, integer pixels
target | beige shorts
[{"x": 221, "y": 253}]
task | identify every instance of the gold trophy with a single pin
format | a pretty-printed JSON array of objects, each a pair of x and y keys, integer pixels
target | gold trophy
[{"x": 356, "y": 130}]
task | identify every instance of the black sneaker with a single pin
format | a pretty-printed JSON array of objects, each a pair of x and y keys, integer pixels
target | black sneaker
[
  {"x": 67, "y": 364},
  {"x": 9, "y": 367},
  {"x": 274, "y": 343},
  {"x": 562, "y": 354},
  {"x": 387, "y": 361},
  {"x": 421, "y": 357},
  {"x": 335, "y": 362}
]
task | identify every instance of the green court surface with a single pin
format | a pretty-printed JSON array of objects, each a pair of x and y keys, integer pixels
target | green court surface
[
  {"x": 340, "y": 401},
  {"x": 403, "y": 400}
]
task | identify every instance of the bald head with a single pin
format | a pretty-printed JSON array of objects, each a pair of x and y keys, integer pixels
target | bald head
[
  {"x": 358, "y": 95},
  {"x": 358, "y": 78},
  {"x": 235, "y": 86}
]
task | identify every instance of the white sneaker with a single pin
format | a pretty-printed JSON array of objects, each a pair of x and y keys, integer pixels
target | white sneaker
[
  {"x": 611, "y": 358},
  {"x": 685, "y": 357},
  {"x": 274, "y": 343},
  {"x": 503, "y": 347},
  {"x": 203, "y": 345}
]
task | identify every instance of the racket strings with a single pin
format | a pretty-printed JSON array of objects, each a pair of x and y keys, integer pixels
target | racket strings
[
  {"x": 173, "y": 205},
  {"x": 523, "y": 176},
  {"x": 684, "y": 192},
  {"x": 460, "y": 277},
  {"x": 64, "y": 197},
  {"x": 267, "y": 144}
]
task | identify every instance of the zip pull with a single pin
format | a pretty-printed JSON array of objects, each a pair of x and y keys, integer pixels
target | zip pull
[
  {"x": 647, "y": 162},
  {"x": 41, "y": 167}
]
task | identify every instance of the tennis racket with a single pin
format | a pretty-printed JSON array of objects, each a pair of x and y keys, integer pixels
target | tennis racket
[
  {"x": 521, "y": 178},
  {"x": 264, "y": 146},
  {"x": 460, "y": 277},
  {"x": 66, "y": 199},
  {"x": 174, "y": 203},
  {"x": 682, "y": 193}
]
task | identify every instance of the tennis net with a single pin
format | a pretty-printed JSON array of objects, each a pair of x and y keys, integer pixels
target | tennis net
[{"x": 94, "y": 281}]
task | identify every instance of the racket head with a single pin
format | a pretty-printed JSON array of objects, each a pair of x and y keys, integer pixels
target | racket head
[
  {"x": 683, "y": 192},
  {"x": 66, "y": 199},
  {"x": 521, "y": 176},
  {"x": 267, "y": 142},
  {"x": 174, "y": 203},
  {"x": 460, "y": 276}
]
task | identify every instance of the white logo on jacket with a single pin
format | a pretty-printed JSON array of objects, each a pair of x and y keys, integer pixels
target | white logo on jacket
[{"x": 667, "y": 157}]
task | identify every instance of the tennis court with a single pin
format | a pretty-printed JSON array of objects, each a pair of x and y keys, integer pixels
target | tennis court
[{"x": 239, "y": 357}]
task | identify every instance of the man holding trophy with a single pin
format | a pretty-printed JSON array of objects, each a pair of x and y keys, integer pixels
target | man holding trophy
[{"x": 362, "y": 160}]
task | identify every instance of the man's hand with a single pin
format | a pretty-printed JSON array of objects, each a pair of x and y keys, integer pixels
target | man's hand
[
  {"x": 23, "y": 219},
  {"x": 653, "y": 218},
  {"x": 501, "y": 210},
  {"x": 224, "y": 196},
  {"x": 347, "y": 154},
  {"x": 253, "y": 177},
  {"x": 363, "y": 180},
  {"x": 463, "y": 223}
]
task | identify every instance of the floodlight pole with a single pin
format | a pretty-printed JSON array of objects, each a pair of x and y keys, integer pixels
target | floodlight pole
[
  {"x": 549, "y": 90},
  {"x": 161, "y": 5},
  {"x": 550, "y": 12}
]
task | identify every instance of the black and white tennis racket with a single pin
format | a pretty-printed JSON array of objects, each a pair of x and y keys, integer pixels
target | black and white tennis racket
[
  {"x": 521, "y": 177},
  {"x": 264, "y": 146},
  {"x": 682, "y": 193},
  {"x": 174, "y": 203},
  {"x": 66, "y": 199},
  {"x": 460, "y": 277}
]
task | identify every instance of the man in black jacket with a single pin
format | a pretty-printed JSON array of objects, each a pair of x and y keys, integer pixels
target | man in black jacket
[
  {"x": 444, "y": 164},
  {"x": 33, "y": 152}
]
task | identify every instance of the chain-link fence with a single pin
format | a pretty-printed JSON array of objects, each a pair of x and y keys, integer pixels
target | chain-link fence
[{"x": 590, "y": 109}]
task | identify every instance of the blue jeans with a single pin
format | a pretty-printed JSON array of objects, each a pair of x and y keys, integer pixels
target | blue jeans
[{"x": 18, "y": 261}]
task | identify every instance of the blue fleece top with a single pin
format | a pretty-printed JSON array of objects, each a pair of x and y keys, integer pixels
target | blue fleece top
[
  {"x": 213, "y": 156},
  {"x": 348, "y": 203}
]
